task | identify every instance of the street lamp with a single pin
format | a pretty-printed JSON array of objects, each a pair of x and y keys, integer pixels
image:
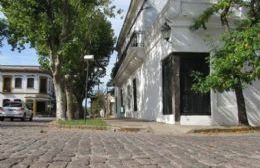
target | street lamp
[
  {"x": 87, "y": 58},
  {"x": 166, "y": 32}
]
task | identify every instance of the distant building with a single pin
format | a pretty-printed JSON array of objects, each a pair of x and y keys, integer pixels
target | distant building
[
  {"x": 157, "y": 53},
  {"x": 110, "y": 105},
  {"x": 30, "y": 84}
]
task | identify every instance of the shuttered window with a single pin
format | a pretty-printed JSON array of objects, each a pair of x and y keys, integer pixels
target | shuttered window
[
  {"x": 18, "y": 82},
  {"x": 135, "y": 95},
  {"x": 30, "y": 82}
]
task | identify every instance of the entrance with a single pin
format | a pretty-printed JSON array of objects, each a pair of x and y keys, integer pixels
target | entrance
[
  {"x": 41, "y": 108},
  {"x": 193, "y": 103},
  {"x": 7, "y": 84},
  {"x": 178, "y": 97}
]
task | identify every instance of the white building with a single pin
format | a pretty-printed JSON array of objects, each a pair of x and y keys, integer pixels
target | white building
[
  {"x": 157, "y": 53},
  {"x": 29, "y": 84}
]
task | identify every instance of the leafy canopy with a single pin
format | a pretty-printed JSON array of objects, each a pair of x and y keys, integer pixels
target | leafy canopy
[{"x": 236, "y": 62}]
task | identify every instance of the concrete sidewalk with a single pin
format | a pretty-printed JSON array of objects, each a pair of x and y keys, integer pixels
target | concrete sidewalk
[
  {"x": 150, "y": 127},
  {"x": 129, "y": 125}
]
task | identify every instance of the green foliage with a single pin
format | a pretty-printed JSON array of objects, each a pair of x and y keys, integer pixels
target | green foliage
[
  {"x": 89, "y": 122},
  {"x": 235, "y": 63},
  {"x": 63, "y": 31},
  {"x": 98, "y": 103},
  {"x": 3, "y": 30}
]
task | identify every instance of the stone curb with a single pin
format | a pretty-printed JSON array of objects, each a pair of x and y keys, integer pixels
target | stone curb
[
  {"x": 88, "y": 127},
  {"x": 226, "y": 130}
]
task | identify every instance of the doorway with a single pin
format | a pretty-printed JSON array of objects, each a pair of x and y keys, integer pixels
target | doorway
[
  {"x": 178, "y": 96},
  {"x": 193, "y": 103},
  {"x": 7, "y": 84},
  {"x": 41, "y": 108}
]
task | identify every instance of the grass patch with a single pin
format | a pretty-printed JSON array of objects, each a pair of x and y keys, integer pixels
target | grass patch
[{"x": 89, "y": 123}]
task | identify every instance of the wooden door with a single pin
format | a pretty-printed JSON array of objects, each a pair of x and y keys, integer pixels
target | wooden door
[
  {"x": 193, "y": 103},
  {"x": 167, "y": 82},
  {"x": 7, "y": 85}
]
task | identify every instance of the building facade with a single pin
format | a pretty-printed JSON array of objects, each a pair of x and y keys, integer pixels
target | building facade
[
  {"x": 157, "y": 53},
  {"x": 29, "y": 84}
]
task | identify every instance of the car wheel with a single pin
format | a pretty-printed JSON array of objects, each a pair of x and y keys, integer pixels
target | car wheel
[
  {"x": 2, "y": 119},
  {"x": 24, "y": 118},
  {"x": 31, "y": 118}
]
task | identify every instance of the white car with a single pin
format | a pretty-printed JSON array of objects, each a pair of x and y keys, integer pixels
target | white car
[{"x": 14, "y": 110}]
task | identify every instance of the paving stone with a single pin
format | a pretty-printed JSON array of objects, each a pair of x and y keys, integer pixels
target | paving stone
[
  {"x": 58, "y": 165},
  {"x": 23, "y": 145},
  {"x": 9, "y": 162},
  {"x": 39, "y": 165}
]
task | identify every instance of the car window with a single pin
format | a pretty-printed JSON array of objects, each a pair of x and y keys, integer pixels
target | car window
[{"x": 13, "y": 104}]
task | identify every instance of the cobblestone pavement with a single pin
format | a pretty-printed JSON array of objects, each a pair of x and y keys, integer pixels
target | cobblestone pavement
[{"x": 35, "y": 145}]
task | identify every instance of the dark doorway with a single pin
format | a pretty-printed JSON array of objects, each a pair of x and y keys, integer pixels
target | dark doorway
[
  {"x": 193, "y": 103},
  {"x": 41, "y": 108},
  {"x": 7, "y": 85},
  {"x": 167, "y": 82},
  {"x": 43, "y": 85}
]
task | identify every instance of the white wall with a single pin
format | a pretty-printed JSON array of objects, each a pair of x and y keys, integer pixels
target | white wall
[
  {"x": 21, "y": 93},
  {"x": 149, "y": 75},
  {"x": 252, "y": 98}
]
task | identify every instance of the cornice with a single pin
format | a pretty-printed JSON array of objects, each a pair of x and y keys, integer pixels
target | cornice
[{"x": 134, "y": 8}]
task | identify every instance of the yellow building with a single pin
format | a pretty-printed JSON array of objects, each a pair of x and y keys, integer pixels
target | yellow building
[{"x": 29, "y": 84}]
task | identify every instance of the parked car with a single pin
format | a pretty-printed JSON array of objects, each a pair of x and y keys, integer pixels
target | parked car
[{"x": 15, "y": 110}]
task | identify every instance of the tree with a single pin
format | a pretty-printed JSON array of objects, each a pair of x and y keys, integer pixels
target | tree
[
  {"x": 3, "y": 31},
  {"x": 235, "y": 63},
  {"x": 98, "y": 104},
  {"x": 98, "y": 40},
  {"x": 56, "y": 28}
]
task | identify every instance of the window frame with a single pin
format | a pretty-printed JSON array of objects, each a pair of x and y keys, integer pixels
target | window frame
[
  {"x": 21, "y": 83},
  {"x": 33, "y": 79},
  {"x": 135, "y": 94}
]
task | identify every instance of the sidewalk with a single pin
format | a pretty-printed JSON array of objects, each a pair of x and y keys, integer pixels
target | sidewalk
[{"x": 128, "y": 125}]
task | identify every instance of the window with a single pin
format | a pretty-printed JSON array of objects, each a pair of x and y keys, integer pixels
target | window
[
  {"x": 5, "y": 102},
  {"x": 135, "y": 95},
  {"x": 18, "y": 82},
  {"x": 129, "y": 96},
  {"x": 122, "y": 98},
  {"x": 30, "y": 82},
  {"x": 13, "y": 104},
  {"x": 43, "y": 85},
  {"x": 17, "y": 100}
]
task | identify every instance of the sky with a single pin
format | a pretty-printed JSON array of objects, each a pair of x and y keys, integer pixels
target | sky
[{"x": 29, "y": 55}]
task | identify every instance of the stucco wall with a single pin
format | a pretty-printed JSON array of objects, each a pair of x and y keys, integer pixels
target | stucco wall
[
  {"x": 21, "y": 93},
  {"x": 149, "y": 74},
  {"x": 252, "y": 98}
]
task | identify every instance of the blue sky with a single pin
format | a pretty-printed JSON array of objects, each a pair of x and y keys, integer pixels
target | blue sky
[{"x": 29, "y": 55}]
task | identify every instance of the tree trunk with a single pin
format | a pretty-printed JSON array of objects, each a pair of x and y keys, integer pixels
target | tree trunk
[
  {"x": 79, "y": 108},
  {"x": 69, "y": 98},
  {"x": 241, "y": 106},
  {"x": 60, "y": 101},
  {"x": 76, "y": 107}
]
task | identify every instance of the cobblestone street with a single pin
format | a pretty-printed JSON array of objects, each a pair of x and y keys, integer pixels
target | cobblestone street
[{"x": 35, "y": 145}]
